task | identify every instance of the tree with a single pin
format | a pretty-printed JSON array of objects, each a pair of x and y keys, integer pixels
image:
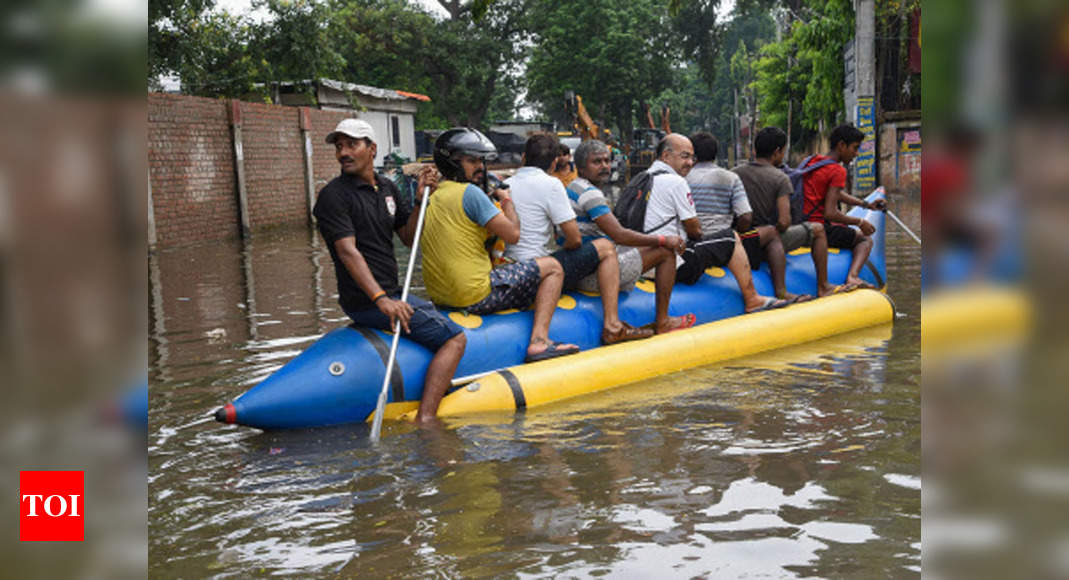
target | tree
[
  {"x": 462, "y": 61},
  {"x": 802, "y": 73},
  {"x": 467, "y": 57},
  {"x": 779, "y": 79},
  {"x": 296, "y": 44},
  {"x": 707, "y": 77},
  {"x": 742, "y": 77},
  {"x": 615, "y": 53},
  {"x": 216, "y": 58},
  {"x": 168, "y": 23},
  {"x": 700, "y": 35}
]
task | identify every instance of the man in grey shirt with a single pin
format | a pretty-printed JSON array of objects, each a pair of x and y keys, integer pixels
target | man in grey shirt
[{"x": 769, "y": 191}]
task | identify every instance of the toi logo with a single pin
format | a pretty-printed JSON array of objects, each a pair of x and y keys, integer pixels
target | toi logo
[{"x": 51, "y": 506}]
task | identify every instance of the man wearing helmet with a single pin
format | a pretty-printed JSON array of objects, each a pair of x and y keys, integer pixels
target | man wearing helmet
[
  {"x": 456, "y": 266},
  {"x": 357, "y": 214}
]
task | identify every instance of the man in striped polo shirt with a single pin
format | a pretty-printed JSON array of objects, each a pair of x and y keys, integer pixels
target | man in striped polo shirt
[
  {"x": 638, "y": 252},
  {"x": 720, "y": 198}
]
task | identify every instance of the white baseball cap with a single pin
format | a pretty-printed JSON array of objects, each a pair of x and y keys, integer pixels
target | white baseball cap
[{"x": 355, "y": 128}]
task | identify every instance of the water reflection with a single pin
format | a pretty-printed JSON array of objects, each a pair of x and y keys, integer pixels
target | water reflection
[{"x": 802, "y": 461}]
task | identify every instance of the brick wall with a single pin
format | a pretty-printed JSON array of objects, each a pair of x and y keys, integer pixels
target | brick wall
[
  {"x": 324, "y": 163},
  {"x": 274, "y": 165},
  {"x": 192, "y": 173},
  {"x": 191, "y": 169}
]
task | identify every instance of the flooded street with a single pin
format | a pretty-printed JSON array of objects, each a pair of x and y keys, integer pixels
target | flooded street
[{"x": 799, "y": 462}]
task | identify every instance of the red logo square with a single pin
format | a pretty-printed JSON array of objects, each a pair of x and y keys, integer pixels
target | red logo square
[{"x": 51, "y": 506}]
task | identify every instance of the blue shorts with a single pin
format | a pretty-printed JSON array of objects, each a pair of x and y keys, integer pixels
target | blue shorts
[
  {"x": 578, "y": 263},
  {"x": 511, "y": 286},
  {"x": 429, "y": 327}
]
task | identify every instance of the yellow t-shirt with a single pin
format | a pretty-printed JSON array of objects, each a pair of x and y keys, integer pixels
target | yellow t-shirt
[{"x": 456, "y": 265}]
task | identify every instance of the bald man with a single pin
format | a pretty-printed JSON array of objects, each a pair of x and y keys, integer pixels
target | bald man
[{"x": 671, "y": 212}]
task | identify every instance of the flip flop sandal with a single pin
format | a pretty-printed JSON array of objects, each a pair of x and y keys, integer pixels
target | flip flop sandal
[
  {"x": 554, "y": 349},
  {"x": 842, "y": 289},
  {"x": 771, "y": 304}
]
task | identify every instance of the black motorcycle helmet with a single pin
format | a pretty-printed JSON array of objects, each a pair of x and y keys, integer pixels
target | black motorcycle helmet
[{"x": 461, "y": 141}]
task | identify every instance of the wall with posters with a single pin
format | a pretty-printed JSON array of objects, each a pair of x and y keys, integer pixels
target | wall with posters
[{"x": 900, "y": 154}]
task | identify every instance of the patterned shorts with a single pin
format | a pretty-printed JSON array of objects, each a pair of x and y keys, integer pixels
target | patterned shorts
[{"x": 511, "y": 286}]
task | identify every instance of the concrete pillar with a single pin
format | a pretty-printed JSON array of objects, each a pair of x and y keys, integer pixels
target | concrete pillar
[
  {"x": 239, "y": 167},
  {"x": 151, "y": 216},
  {"x": 309, "y": 167},
  {"x": 865, "y": 39}
]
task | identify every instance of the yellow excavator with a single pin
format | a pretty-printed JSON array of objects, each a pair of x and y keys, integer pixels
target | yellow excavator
[
  {"x": 644, "y": 140},
  {"x": 582, "y": 125}
]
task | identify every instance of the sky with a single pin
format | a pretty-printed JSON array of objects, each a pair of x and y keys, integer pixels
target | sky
[{"x": 245, "y": 7}]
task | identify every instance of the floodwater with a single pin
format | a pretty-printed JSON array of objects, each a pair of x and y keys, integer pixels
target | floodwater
[{"x": 799, "y": 462}]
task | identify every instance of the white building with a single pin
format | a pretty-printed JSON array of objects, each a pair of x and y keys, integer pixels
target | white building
[{"x": 392, "y": 113}]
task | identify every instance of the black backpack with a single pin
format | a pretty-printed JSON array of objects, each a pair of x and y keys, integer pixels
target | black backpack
[{"x": 630, "y": 208}]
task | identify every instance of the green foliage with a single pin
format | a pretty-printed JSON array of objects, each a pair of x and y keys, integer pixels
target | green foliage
[
  {"x": 702, "y": 93},
  {"x": 700, "y": 35},
  {"x": 779, "y": 81},
  {"x": 380, "y": 43},
  {"x": 615, "y": 53},
  {"x": 806, "y": 67},
  {"x": 215, "y": 58},
  {"x": 692, "y": 105},
  {"x": 296, "y": 43},
  {"x": 168, "y": 41},
  {"x": 466, "y": 59},
  {"x": 463, "y": 62},
  {"x": 460, "y": 61}
]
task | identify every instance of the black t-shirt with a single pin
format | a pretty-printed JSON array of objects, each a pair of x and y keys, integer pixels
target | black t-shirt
[{"x": 349, "y": 206}]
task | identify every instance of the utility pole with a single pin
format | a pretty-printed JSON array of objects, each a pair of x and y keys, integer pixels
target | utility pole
[
  {"x": 738, "y": 126},
  {"x": 864, "y": 113},
  {"x": 790, "y": 110}
]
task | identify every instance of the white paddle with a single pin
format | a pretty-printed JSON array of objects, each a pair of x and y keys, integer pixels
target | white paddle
[
  {"x": 903, "y": 226},
  {"x": 376, "y": 425}
]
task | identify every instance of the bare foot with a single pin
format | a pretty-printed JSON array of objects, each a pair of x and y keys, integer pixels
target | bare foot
[{"x": 428, "y": 421}]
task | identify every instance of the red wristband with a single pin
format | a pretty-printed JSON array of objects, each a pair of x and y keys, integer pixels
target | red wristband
[{"x": 660, "y": 241}]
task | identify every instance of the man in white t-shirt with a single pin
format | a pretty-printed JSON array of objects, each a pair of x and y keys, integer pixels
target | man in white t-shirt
[
  {"x": 671, "y": 211},
  {"x": 542, "y": 204}
]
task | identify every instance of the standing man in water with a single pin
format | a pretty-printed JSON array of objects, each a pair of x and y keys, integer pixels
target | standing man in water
[{"x": 358, "y": 213}]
